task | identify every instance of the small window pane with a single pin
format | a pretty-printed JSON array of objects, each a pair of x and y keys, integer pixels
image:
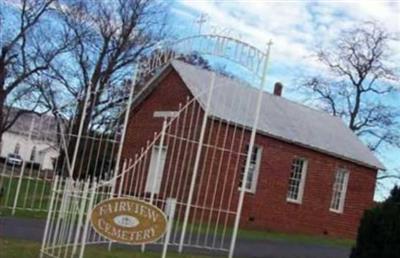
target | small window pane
[
  {"x": 296, "y": 180},
  {"x": 33, "y": 154},
  {"x": 250, "y": 182},
  {"x": 158, "y": 155},
  {"x": 17, "y": 148},
  {"x": 339, "y": 190}
]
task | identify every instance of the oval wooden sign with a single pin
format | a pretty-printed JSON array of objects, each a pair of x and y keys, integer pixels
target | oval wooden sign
[{"x": 128, "y": 220}]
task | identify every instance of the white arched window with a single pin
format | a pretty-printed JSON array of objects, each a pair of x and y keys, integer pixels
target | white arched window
[
  {"x": 17, "y": 147},
  {"x": 33, "y": 153}
]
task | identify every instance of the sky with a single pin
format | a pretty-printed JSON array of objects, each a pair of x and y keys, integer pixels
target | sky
[{"x": 297, "y": 29}]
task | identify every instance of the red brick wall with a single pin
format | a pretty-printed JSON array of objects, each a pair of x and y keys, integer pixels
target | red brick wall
[
  {"x": 142, "y": 125},
  {"x": 270, "y": 209},
  {"x": 267, "y": 208}
]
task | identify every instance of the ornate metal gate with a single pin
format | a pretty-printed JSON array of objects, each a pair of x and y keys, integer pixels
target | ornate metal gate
[{"x": 194, "y": 169}]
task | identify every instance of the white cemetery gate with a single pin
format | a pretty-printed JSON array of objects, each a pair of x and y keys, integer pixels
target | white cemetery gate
[{"x": 192, "y": 169}]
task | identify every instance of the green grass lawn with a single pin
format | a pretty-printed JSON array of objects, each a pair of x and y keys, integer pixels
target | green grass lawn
[
  {"x": 12, "y": 248},
  {"x": 271, "y": 235},
  {"x": 34, "y": 194},
  {"x": 295, "y": 238}
]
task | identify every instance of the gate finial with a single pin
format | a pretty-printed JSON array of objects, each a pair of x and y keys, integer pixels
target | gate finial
[{"x": 202, "y": 19}]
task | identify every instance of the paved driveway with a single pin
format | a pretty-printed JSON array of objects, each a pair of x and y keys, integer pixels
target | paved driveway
[{"x": 31, "y": 229}]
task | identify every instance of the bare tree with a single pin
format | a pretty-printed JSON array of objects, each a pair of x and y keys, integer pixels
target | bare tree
[
  {"x": 28, "y": 48},
  {"x": 356, "y": 83},
  {"x": 109, "y": 37}
]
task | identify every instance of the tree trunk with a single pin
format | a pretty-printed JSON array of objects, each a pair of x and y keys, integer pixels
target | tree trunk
[
  {"x": 73, "y": 141},
  {"x": 2, "y": 94},
  {"x": 2, "y": 100}
]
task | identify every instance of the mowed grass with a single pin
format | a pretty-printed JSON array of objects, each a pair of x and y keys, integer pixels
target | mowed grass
[
  {"x": 34, "y": 195},
  {"x": 295, "y": 238},
  {"x": 12, "y": 248},
  {"x": 271, "y": 235}
]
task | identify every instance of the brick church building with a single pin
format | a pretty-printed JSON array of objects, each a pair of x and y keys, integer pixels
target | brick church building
[{"x": 309, "y": 173}]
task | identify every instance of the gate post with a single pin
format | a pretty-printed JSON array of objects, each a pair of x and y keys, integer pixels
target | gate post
[
  {"x": 171, "y": 204},
  {"x": 124, "y": 127},
  {"x": 249, "y": 153},
  {"x": 157, "y": 168},
  {"x": 121, "y": 144},
  {"x": 197, "y": 162},
  {"x": 153, "y": 184},
  {"x": 80, "y": 129},
  {"x": 46, "y": 228},
  {"x": 80, "y": 216},
  {"x": 87, "y": 222},
  {"x": 21, "y": 174}
]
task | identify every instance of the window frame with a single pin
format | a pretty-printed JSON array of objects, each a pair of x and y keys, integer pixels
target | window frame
[
  {"x": 302, "y": 183},
  {"x": 17, "y": 148},
  {"x": 256, "y": 173},
  {"x": 343, "y": 190},
  {"x": 33, "y": 153},
  {"x": 155, "y": 151}
]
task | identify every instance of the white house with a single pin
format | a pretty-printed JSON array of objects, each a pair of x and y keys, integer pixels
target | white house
[{"x": 34, "y": 138}]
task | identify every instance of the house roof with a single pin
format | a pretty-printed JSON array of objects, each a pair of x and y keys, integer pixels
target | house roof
[
  {"x": 38, "y": 126},
  {"x": 279, "y": 118}
]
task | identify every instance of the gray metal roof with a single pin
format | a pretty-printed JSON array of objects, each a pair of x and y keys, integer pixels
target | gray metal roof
[{"x": 279, "y": 118}]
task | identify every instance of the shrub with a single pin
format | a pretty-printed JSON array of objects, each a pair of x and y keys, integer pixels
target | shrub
[{"x": 379, "y": 231}]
